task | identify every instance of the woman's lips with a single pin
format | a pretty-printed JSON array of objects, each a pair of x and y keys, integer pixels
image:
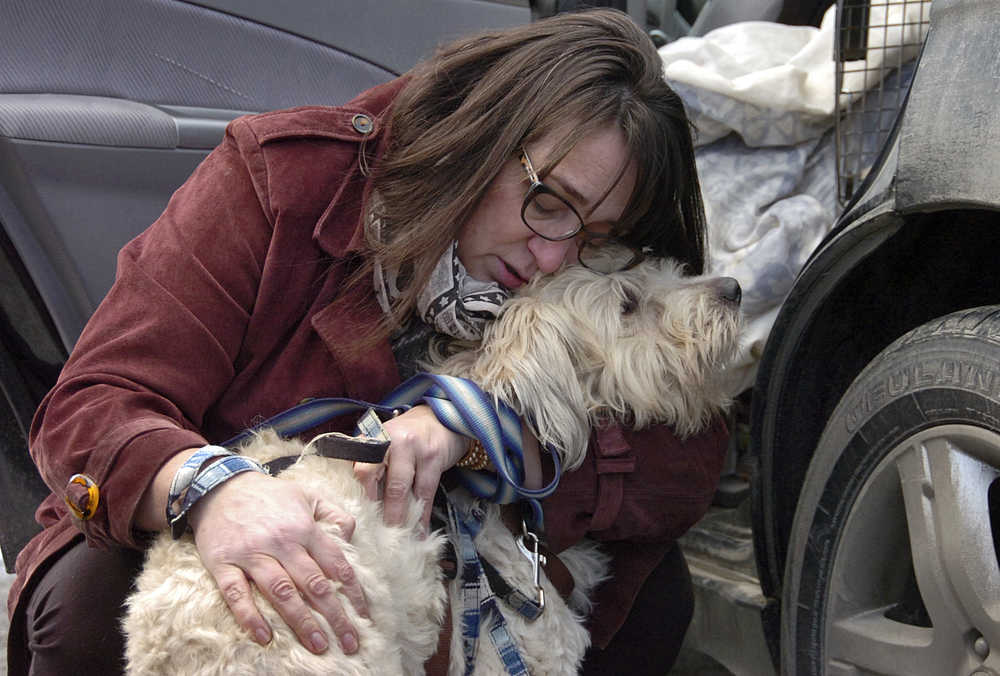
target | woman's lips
[{"x": 508, "y": 276}]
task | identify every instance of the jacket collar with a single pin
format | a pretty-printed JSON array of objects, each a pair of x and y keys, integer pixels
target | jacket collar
[{"x": 365, "y": 120}]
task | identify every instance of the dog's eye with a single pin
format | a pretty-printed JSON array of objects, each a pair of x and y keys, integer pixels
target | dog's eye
[{"x": 630, "y": 303}]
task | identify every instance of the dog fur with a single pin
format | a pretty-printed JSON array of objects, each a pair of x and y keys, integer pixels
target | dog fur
[{"x": 569, "y": 351}]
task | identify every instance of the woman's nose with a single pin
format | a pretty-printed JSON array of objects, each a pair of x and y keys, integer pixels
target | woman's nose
[{"x": 550, "y": 255}]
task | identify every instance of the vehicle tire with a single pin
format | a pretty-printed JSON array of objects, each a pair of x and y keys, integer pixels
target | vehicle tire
[{"x": 892, "y": 565}]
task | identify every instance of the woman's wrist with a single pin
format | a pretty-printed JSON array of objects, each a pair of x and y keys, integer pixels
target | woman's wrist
[
  {"x": 150, "y": 515},
  {"x": 205, "y": 471},
  {"x": 241, "y": 483}
]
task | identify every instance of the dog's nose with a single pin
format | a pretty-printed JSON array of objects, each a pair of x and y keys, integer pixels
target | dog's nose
[{"x": 729, "y": 290}]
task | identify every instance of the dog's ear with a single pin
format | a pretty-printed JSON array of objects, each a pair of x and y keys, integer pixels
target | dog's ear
[{"x": 530, "y": 358}]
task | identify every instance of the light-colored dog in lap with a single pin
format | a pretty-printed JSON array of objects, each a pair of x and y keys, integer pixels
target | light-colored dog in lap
[{"x": 641, "y": 346}]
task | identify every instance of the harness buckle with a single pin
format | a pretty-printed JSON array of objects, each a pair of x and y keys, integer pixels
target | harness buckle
[{"x": 535, "y": 557}]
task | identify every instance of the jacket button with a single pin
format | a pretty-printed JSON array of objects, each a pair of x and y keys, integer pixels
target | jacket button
[
  {"x": 362, "y": 124},
  {"x": 82, "y": 496}
]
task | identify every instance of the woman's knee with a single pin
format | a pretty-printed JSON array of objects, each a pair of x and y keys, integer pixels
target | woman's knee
[{"x": 72, "y": 621}]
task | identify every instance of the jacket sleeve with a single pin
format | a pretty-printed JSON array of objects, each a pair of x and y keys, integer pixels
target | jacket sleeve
[{"x": 161, "y": 346}]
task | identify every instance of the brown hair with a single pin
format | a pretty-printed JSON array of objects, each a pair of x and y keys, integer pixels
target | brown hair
[{"x": 468, "y": 109}]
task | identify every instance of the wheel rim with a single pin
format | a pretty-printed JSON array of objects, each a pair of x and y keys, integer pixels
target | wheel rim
[{"x": 918, "y": 545}]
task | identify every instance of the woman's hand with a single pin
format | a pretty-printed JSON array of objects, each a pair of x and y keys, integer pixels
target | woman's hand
[
  {"x": 258, "y": 528},
  {"x": 421, "y": 449}
]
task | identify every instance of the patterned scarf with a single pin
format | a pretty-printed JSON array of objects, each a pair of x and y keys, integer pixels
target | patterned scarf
[{"x": 453, "y": 302}]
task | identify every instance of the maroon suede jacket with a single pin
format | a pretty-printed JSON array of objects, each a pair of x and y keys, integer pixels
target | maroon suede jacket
[{"x": 231, "y": 307}]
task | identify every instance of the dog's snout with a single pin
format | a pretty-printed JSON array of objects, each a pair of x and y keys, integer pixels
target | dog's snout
[{"x": 729, "y": 290}]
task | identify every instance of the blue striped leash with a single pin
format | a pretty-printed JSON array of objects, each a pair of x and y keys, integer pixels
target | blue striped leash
[{"x": 462, "y": 407}]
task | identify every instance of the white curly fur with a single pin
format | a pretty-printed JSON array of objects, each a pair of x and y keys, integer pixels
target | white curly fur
[
  {"x": 177, "y": 622},
  {"x": 570, "y": 350}
]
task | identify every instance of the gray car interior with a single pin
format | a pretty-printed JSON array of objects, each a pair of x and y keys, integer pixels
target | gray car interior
[{"x": 112, "y": 103}]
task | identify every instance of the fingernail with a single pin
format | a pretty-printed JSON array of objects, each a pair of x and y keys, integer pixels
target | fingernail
[
  {"x": 319, "y": 643},
  {"x": 262, "y": 635},
  {"x": 349, "y": 643}
]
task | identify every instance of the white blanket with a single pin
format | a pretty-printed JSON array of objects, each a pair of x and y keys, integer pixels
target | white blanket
[{"x": 761, "y": 96}]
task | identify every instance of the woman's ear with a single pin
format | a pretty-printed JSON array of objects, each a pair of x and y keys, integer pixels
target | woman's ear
[{"x": 529, "y": 359}]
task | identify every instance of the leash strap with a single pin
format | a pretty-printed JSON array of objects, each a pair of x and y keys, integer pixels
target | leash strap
[
  {"x": 462, "y": 407},
  {"x": 519, "y": 601},
  {"x": 311, "y": 413},
  {"x": 369, "y": 445},
  {"x": 478, "y": 599}
]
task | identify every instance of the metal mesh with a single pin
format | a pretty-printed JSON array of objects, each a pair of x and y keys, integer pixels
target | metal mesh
[{"x": 878, "y": 42}]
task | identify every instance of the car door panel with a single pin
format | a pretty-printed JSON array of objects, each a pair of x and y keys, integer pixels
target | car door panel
[
  {"x": 101, "y": 104},
  {"x": 172, "y": 53}
]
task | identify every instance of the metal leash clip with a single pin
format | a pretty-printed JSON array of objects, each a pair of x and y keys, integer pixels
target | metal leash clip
[{"x": 536, "y": 558}]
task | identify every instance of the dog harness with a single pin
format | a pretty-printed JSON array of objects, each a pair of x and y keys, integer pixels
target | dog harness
[
  {"x": 463, "y": 407},
  {"x": 478, "y": 596}
]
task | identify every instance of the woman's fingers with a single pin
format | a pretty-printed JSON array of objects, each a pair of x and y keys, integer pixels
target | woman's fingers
[
  {"x": 421, "y": 448},
  {"x": 370, "y": 475},
  {"x": 327, "y": 551},
  {"x": 399, "y": 479},
  {"x": 259, "y": 530},
  {"x": 425, "y": 485},
  {"x": 314, "y": 586},
  {"x": 278, "y": 587},
  {"x": 236, "y": 591},
  {"x": 291, "y": 589}
]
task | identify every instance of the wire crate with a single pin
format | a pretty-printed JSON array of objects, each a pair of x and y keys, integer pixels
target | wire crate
[{"x": 876, "y": 48}]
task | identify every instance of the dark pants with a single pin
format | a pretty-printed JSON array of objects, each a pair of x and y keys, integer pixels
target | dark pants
[
  {"x": 71, "y": 621},
  {"x": 71, "y": 624},
  {"x": 650, "y": 639}
]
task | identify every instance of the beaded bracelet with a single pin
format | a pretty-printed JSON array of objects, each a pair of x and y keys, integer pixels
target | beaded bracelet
[{"x": 475, "y": 458}]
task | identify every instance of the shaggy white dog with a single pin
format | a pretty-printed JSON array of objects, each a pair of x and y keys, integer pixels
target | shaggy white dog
[{"x": 641, "y": 346}]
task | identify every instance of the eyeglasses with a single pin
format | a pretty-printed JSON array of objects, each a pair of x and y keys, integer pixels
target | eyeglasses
[{"x": 547, "y": 214}]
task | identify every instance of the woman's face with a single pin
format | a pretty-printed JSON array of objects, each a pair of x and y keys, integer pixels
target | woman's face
[{"x": 495, "y": 244}]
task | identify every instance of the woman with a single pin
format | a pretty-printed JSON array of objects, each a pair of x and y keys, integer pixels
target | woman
[{"x": 299, "y": 261}]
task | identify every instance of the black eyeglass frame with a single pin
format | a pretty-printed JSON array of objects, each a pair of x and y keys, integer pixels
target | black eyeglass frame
[{"x": 587, "y": 238}]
